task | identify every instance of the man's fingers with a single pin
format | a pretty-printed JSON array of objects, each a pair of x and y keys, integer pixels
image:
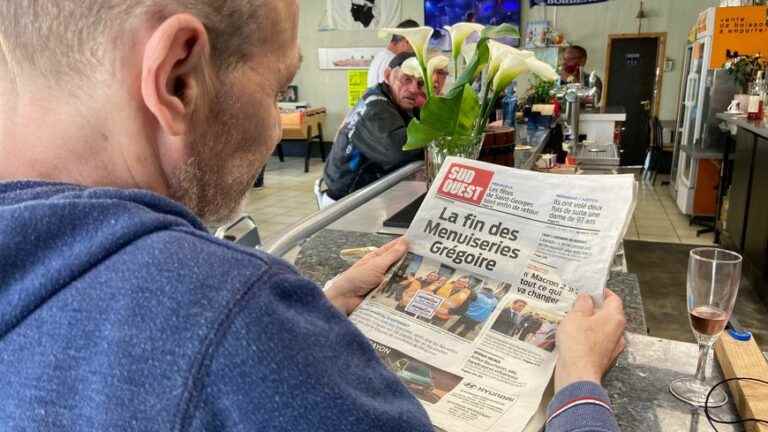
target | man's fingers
[
  {"x": 612, "y": 305},
  {"x": 398, "y": 242},
  {"x": 620, "y": 346},
  {"x": 584, "y": 305},
  {"x": 391, "y": 252}
]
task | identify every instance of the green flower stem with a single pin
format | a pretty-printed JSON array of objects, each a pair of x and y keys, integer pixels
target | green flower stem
[
  {"x": 483, "y": 110},
  {"x": 455, "y": 70},
  {"x": 427, "y": 80}
]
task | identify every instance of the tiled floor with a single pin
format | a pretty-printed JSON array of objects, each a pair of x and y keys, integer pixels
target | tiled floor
[
  {"x": 658, "y": 219},
  {"x": 287, "y": 197}
]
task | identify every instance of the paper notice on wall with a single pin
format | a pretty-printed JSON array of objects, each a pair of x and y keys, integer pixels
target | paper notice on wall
[
  {"x": 357, "y": 83},
  {"x": 363, "y": 14}
]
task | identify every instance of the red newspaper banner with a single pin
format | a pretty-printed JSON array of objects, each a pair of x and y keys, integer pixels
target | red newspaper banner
[{"x": 465, "y": 183}]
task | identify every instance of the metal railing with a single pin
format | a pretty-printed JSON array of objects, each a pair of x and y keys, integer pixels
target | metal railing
[{"x": 314, "y": 223}]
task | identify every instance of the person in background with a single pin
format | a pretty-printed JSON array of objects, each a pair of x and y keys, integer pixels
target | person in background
[
  {"x": 508, "y": 322},
  {"x": 529, "y": 325},
  {"x": 573, "y": 68},
  {"x": 380, "y": 62},
  {"x": 439, "y": 78},
  {"x": 120, "y": 311},
  {"x": 477, "y": 309},
  {"x": 456, "y": 294},
  {"x": 369, "y": 144}
]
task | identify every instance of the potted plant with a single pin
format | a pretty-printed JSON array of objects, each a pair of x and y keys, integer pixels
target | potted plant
[
  {"x": 539, "y": 93},
  {"x": 744, "y": 69},
  {"x": 454, "y": 124}
]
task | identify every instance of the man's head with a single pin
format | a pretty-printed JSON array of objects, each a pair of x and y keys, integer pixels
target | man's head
[
  {"x": 574, "y": 57},
  {"x": 519, "y": 305},
  {"x": 175, "y": 96},
  {"x": 406, "y": 86},
  {"x": 399, "y": 44},
  {"x": 432, "y": 276},
  {"x": 462, "y": 282},
  {"x": 439, "y": 76}
]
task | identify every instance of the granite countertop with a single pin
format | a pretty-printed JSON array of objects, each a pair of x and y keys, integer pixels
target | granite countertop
[
  {"x": 637, "y": 384},
  {"x": 759, "y": 127},
  {"x": 638, "y": 387},
  {"x": 319, "y": 260}
]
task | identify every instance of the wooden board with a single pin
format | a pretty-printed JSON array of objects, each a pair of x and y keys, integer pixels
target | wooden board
[{"x": 744, "y": 359}]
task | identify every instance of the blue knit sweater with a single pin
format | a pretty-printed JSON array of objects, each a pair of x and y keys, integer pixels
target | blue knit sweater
[{"x": 119, "y": 312}]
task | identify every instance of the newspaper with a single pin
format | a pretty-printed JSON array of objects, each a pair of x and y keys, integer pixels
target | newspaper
[{"x": 467, "y": 319}]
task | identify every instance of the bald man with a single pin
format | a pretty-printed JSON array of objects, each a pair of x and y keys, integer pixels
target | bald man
[{"x": 124, "y": 124}]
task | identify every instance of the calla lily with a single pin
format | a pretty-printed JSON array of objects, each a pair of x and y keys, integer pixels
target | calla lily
[
  {"x": 512, "y": 67},
  {"x": 459, "y": 33},
  {"x": 439, "y": 62},
  {"x": 499, "y": 52},
  {"x": 411, "y": 67},
  {"x": 468, "y": 51},
  {"x": 418, "y": 37},
  {"x": 541, "y": 69}
]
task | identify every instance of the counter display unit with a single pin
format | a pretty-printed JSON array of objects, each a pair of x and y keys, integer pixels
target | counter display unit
[
  {"x": 745, "y": 226},
  {"x": 637, "y": 384}
]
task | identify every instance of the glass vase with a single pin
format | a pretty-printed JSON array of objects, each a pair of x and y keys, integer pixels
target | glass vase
[{"x": 465, "y": 146}]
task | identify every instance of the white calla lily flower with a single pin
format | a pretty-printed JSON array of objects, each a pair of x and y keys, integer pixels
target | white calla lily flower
[
  {"x": 459, "y": 33},
  {"x": 418, "y": 37},
  {"x": 411, "y": 67},
  {"x": 439, "y": 62},
  {"x": 468, "y": 51},
  {"x": 541, "y": 69},
  {"x": 512, "y": 67},
  {"x": 499, "y": 52}
]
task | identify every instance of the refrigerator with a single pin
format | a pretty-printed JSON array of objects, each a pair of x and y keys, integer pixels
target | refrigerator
[{"x": 706, "y": 90}]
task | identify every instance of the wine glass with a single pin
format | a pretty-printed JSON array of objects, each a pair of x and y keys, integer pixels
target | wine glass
[{"x": 713, "y": 281}]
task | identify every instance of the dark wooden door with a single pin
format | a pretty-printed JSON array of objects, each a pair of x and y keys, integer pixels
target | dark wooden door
[{"x": 630, "y": 85}]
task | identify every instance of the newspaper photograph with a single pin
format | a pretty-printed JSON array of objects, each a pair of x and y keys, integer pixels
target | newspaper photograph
[{"x": 467, "y": 319}]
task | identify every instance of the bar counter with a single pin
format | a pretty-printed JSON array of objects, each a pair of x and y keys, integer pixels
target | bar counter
[{"x": 637, "y": 384}]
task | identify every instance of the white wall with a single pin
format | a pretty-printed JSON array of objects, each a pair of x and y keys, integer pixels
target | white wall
[
  {"x": 588, "y": 26},
  {"x": 328, "y": 88}
]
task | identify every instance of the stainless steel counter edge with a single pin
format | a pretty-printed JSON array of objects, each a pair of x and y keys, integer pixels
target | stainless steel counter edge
[
  {"x": 327, "y": 216},
  {"x": 750, "y": 125}
]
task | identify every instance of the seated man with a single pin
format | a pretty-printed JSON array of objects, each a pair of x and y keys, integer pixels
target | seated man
[
  {"x": 118, "y": 311},
  {"x": 369, "y": 144}
]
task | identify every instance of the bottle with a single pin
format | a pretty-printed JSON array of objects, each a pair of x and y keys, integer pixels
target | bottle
[
  {"x": 756, "y": 95},
  {"x": 509, "y": 105}
]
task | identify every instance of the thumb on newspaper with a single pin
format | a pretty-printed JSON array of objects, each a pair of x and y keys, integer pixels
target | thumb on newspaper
[{"x": 584, "y": 305}]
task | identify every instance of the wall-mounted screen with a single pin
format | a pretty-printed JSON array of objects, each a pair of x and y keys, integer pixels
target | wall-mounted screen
[{"x": 439, "y": 13}]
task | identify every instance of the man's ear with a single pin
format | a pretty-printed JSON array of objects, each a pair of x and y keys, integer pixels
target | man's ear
[
  {"x": 387, "y": 75},
  {"x": 174, "y": 76}
]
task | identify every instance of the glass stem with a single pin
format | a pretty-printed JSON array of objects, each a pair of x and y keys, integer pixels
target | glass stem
[{"x": 701, "y": 366}]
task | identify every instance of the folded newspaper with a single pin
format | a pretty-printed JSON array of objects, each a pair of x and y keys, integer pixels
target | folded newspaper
[{"x": 467, "y": 319}]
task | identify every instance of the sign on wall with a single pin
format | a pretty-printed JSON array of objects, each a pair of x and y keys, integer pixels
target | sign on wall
[
  {"x": 363, "y": 14},
  {"x": 564, "y": 2},
  {"x": 357, "y": 84}
]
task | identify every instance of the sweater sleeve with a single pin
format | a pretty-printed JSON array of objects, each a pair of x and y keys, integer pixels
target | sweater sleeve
[
  {"x": 286, "y": 359},
  {"x": 581, "y": 407}
]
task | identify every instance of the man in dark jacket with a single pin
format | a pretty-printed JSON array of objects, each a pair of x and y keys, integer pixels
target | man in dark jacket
[{"x": 370, "y": 141}]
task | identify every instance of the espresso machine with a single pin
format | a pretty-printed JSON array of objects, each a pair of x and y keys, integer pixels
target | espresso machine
[{"x": 592, "y": 156}]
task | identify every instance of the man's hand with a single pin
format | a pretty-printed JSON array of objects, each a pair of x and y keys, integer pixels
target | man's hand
[
  {"x": 589, "y": 340},
  {"x": 349, "y": 289}
]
